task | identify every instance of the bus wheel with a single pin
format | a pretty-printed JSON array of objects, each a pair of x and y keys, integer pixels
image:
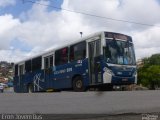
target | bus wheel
[
  {"x": 78, "y": 85},
  {"x": 30, "y": 88}
]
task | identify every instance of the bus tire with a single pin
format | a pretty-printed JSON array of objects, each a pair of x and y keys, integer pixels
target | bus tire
[
  {"x": 30, "y": 88},
  {"x": 78, "y": 85}
]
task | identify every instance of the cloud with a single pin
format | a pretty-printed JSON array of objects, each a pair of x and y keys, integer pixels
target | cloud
[
  {"x": 43, "y": 29},
  {"x": 147, "y": 42},
  {"x": 47, "y": 29},
  {"x": 16, "y": 55},
  {"x": 141, "y": 11},
  {"x": 12, "y": 55},
  {"x": 4, "y": 3},
  {"x": 8, "y": 24}
]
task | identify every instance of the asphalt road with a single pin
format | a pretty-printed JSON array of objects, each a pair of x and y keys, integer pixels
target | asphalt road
[
  {"x": 115, "y": 105},
  {"x": 111, "y": 103}
]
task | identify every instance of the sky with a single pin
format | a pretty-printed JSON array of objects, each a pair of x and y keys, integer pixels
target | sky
[{"x": 27, "y": 28}]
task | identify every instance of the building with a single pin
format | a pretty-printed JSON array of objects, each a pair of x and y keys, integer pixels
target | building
[{"x": 140, "y": 63}]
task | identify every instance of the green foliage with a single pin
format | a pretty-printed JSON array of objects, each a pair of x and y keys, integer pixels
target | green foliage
[{"x": 149, "y": 74}]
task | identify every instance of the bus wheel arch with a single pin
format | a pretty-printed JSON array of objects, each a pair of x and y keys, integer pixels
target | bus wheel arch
[{"x": 78, "y": 83}]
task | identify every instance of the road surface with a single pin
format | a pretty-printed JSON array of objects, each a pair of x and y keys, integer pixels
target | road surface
[{"x": 108, "y": 103}]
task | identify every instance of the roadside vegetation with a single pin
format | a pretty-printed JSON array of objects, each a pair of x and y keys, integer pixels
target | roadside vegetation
[{"x": 149, "y": 72}]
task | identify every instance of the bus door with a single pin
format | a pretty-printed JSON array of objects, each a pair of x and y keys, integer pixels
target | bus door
[
  {"x": 21, "y": 76},
  {"x": 94, "y": 52},
  {"x": 48, "y": 64}
]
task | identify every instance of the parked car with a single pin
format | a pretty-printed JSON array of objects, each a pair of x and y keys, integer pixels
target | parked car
[
  {"x": 10, "y": 84},
  {"x": 1, "y": 88},
  {"x": 4, "y": 85}
]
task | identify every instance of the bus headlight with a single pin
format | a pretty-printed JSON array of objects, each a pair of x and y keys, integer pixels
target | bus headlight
[
  {"x": 108, "y": 71},
  {"x": 134, "y": 74}
]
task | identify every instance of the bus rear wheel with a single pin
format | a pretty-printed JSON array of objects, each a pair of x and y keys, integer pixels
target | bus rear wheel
[{"x": 78, "y": 84}]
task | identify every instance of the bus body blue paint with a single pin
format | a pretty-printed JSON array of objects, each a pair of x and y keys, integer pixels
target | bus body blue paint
[{"x": 95, "y": 68}]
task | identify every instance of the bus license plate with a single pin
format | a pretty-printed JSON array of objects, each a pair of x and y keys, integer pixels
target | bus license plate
[{"x": 125, "y": 79}]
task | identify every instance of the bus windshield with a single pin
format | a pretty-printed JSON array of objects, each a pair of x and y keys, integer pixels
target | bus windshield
[{"x": 119, "y": 52}]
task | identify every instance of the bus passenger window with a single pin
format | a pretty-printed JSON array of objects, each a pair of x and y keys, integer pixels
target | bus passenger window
[
  {"x": 78, "y": 51},
  {"x": 51, "y": 61},
  {"x": 71, "y": 53},
  {"x": 28, "y": 67},
  {"x": 16, "y": 70},
  {"x": 61, "y": 56},
  {"x": 48, "y": 61},
  {"x": 36, "y": 63}
]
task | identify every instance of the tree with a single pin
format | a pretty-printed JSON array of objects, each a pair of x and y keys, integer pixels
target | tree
[{"x": 149, "y": 74}]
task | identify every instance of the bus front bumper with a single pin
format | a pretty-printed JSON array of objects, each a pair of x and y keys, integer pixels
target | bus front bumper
[{"x": 116, "y": 80}]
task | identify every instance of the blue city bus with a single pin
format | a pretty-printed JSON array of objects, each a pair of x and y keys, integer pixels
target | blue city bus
[{"x": 101, "y": 60}]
